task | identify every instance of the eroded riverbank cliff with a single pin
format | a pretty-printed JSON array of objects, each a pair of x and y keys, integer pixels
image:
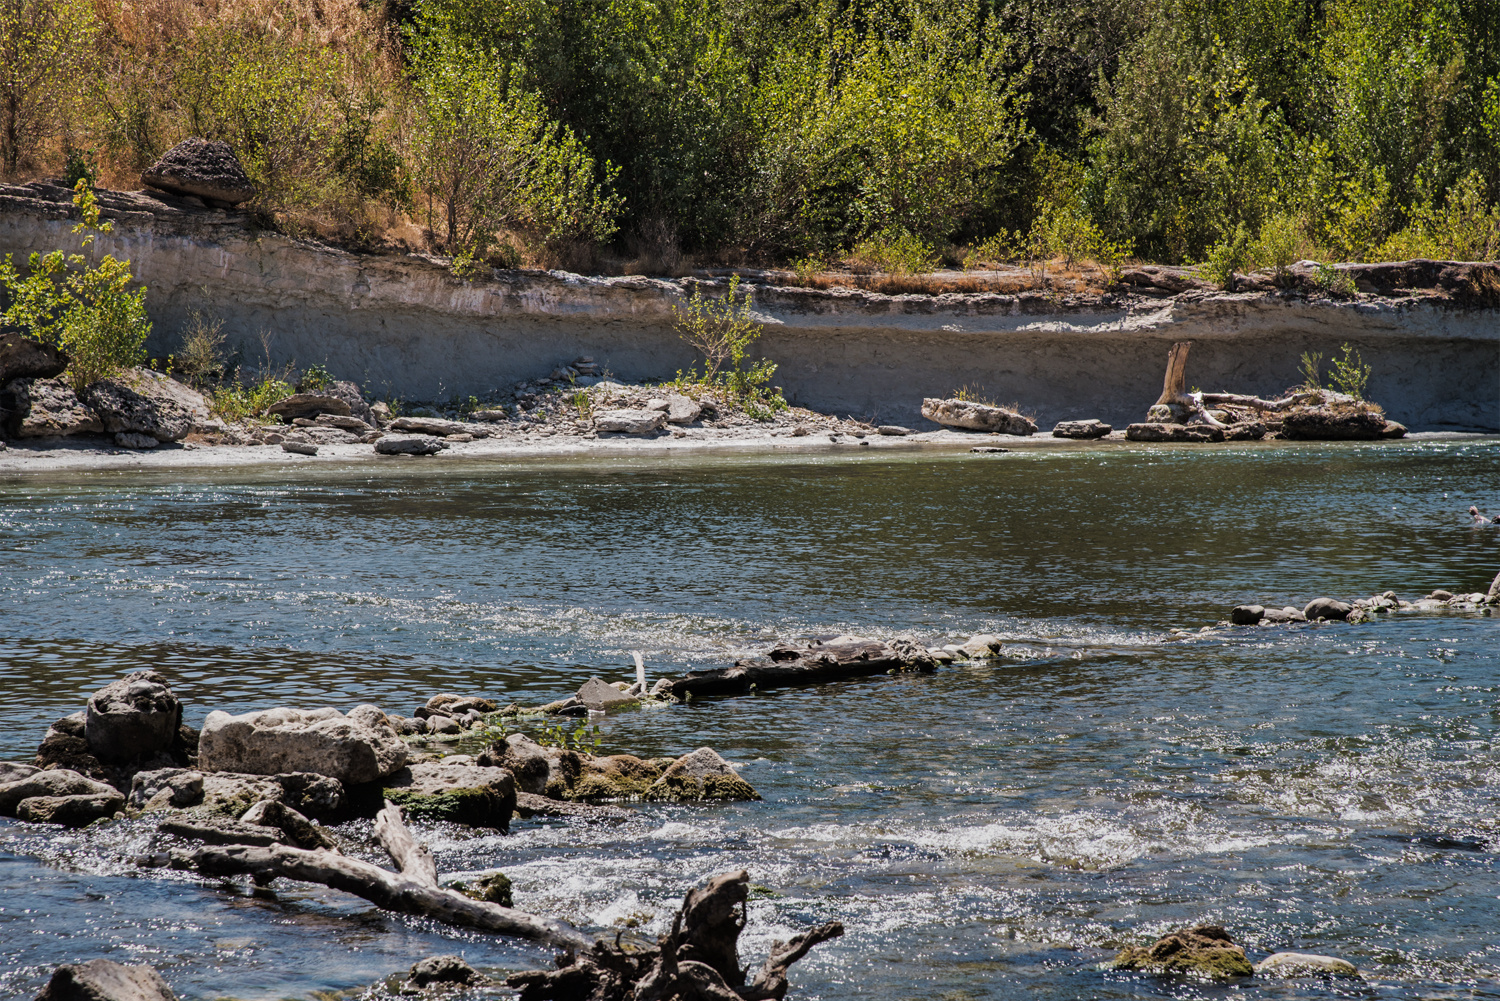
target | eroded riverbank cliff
[{"x": 403, "y": 325}]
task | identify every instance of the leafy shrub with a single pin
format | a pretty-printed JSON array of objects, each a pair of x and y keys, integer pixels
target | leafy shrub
[
  {"x": 723, "y": 330},
  {"x": 315, "y": 378},
  {"x": 895, "y": 251},
  {"x": 247, "y": 401},
  {"x": 1350, "y": 374},
  {"x": 201, "y": 360},
  {"x": 44, "y": 47},
  {"x": 90, "y": 312}
]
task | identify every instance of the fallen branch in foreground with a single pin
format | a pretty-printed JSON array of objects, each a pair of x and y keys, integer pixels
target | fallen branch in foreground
[
  {"x": 413, "y": 890},
  {"x": 697, "y": 961}
]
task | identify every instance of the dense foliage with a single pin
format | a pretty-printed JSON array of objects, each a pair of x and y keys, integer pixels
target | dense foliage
[{"x": 1239, "y": 133}]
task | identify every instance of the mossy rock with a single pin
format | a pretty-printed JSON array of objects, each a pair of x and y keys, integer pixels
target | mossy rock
[
  {"x": 464, "y": 794},
  {"x": 702, "y": 775},
  {"x": 1206, "y": 951},
  {"x": 492, "y": 888},
  {"x": 616, "y": 776}
]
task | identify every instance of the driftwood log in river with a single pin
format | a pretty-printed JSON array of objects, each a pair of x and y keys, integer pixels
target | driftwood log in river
[
  {"x": 413, "y": 890},
  {"x": 698, "y": 960},
  {"x": 813, "y": 663}
]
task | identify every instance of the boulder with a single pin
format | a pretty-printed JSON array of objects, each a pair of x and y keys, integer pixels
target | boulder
[
  {"x": 1247, "y": 615},
  {"x": 1334, "y": 424},
  {"x": 913, "y": 653},
  {"x": 436, "y": 970},
  {"x": 130, "y": 439},
  {"x": 893, "y": 430},
  {"x": 616, "y": 776},
  {"x": 15, "y": 404},
  {"x": 528, "y": 762},
  {"x": 391, "y": 445},
  {"x": 289, "y": 408},
  {"x": 973, "y": 416},
  {"x": 165, "y": 789},
  {"x": 299, "y": 447},
  {"x": 681, "y": 409},
  {"x": 1327, "y": 608},
  {"x": 1303, "y": 964},
  {"x": 70, "y": 811},
  {"x": 105, "y": 980},
  {"x": 597, "y": 695},
  {"x": 1204, "y": 951},
  {"x": 466, "y": 794},
  {"x": 232, "y": 793},
  {"x": 1081, "y": 429},
  {"x": 204, "y": 168},
  {"x": 142, "y": 402},
  {"x": 132, "y": 718},
  {"x": 629, "y": 421},
  {"x": 360, "y": 747},
  {"x": 1159, "y": 431},
  {"x": 350, "y": 423},
  {"x": 56, "y": 411},
  {"x": 52, "y": 783},
  {"x": 23, "y": 357},
  {"x": 456, "y": 705},
  {"x": 698, "y": 776}
]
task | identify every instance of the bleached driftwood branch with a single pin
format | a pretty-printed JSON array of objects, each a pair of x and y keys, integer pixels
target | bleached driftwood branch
[{"x": 414, "y": 890}]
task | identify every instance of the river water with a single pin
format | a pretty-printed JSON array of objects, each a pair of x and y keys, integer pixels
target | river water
[{"x": 983, "y": 832}]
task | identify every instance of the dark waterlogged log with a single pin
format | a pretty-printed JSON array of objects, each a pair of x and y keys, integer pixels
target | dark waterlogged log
[
  {"x": 786, "y": 664},
  {"x": 698, "y": 959},
  {"x": 414, "y": 890}
]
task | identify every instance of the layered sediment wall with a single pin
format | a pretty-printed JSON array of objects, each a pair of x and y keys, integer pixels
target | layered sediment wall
[{"x": 403, "y": 325}]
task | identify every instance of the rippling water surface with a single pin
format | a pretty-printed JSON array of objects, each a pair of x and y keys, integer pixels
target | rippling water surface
[{"x": 983, "y": 832}]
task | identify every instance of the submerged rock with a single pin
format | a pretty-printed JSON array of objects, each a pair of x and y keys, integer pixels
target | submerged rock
[
  {"x": 971, "y": 416},
  {"x": 1204, "y": 951},
  {"x": 204, "y": 168},
  {"x": 476, "y": 795},
  {"x": 105, "y": 980},
  {"x": 1327, "y": 608},
  {"x": 1247, "y": 615},
  {"x": 564, "y": 774},
  {"x": 436, "y": 970},
  {"x": 492, "y": 887},
  {"x": 985, "y": 646},
  {"x": 1303, "y": 964},
  {"x": 360, "y": 747}
]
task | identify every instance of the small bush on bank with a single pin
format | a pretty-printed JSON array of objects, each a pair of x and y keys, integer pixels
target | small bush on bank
[
  {"x": 722, "y": 331},
  {"x": 88, "y": 311}
]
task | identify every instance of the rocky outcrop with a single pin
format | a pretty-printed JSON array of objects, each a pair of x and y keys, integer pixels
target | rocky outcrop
[
  {"x": 135, "y": 717},
  {"x": 59, "y": 796},
  {"x": 803, "y": 664},
  {"x": 165, "y": 789},
  {"x": 105, "y": 980},
  {"x": 204, "y": 168},
  {"x": 435, "y": 971},
  {"x": 361, "y": 747},
  {"x": 971, "y": 416},
  {"x": 465, "y": 794},
  {"x": 53, "y": 410},
  {"x": 564, "y": 774},
  {"x": 147, "y": 403},
  {"x": 1205, "y": 951}
]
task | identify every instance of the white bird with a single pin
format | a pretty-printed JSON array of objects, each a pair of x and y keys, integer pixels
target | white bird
[{"x": 1479, "y": 519}]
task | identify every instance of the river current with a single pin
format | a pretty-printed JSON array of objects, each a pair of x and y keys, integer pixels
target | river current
[{"x": 983, "y": 832}]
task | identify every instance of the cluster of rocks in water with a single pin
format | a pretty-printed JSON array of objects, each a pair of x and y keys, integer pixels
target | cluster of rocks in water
[
  {"x": 1208, "y": 952},
  {"x": 1362, "y": 609}
]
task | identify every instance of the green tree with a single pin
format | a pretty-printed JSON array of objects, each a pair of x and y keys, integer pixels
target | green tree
[{"x": 44, "y": 45}]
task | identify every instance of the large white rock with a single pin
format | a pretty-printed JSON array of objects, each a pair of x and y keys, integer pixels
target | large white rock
[
  {"x": 1304, "y": 964},
  {"x": 630, "y": 421},
  {"x": 360, "y": 747},
  {"x": 973, "y": 416}
]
